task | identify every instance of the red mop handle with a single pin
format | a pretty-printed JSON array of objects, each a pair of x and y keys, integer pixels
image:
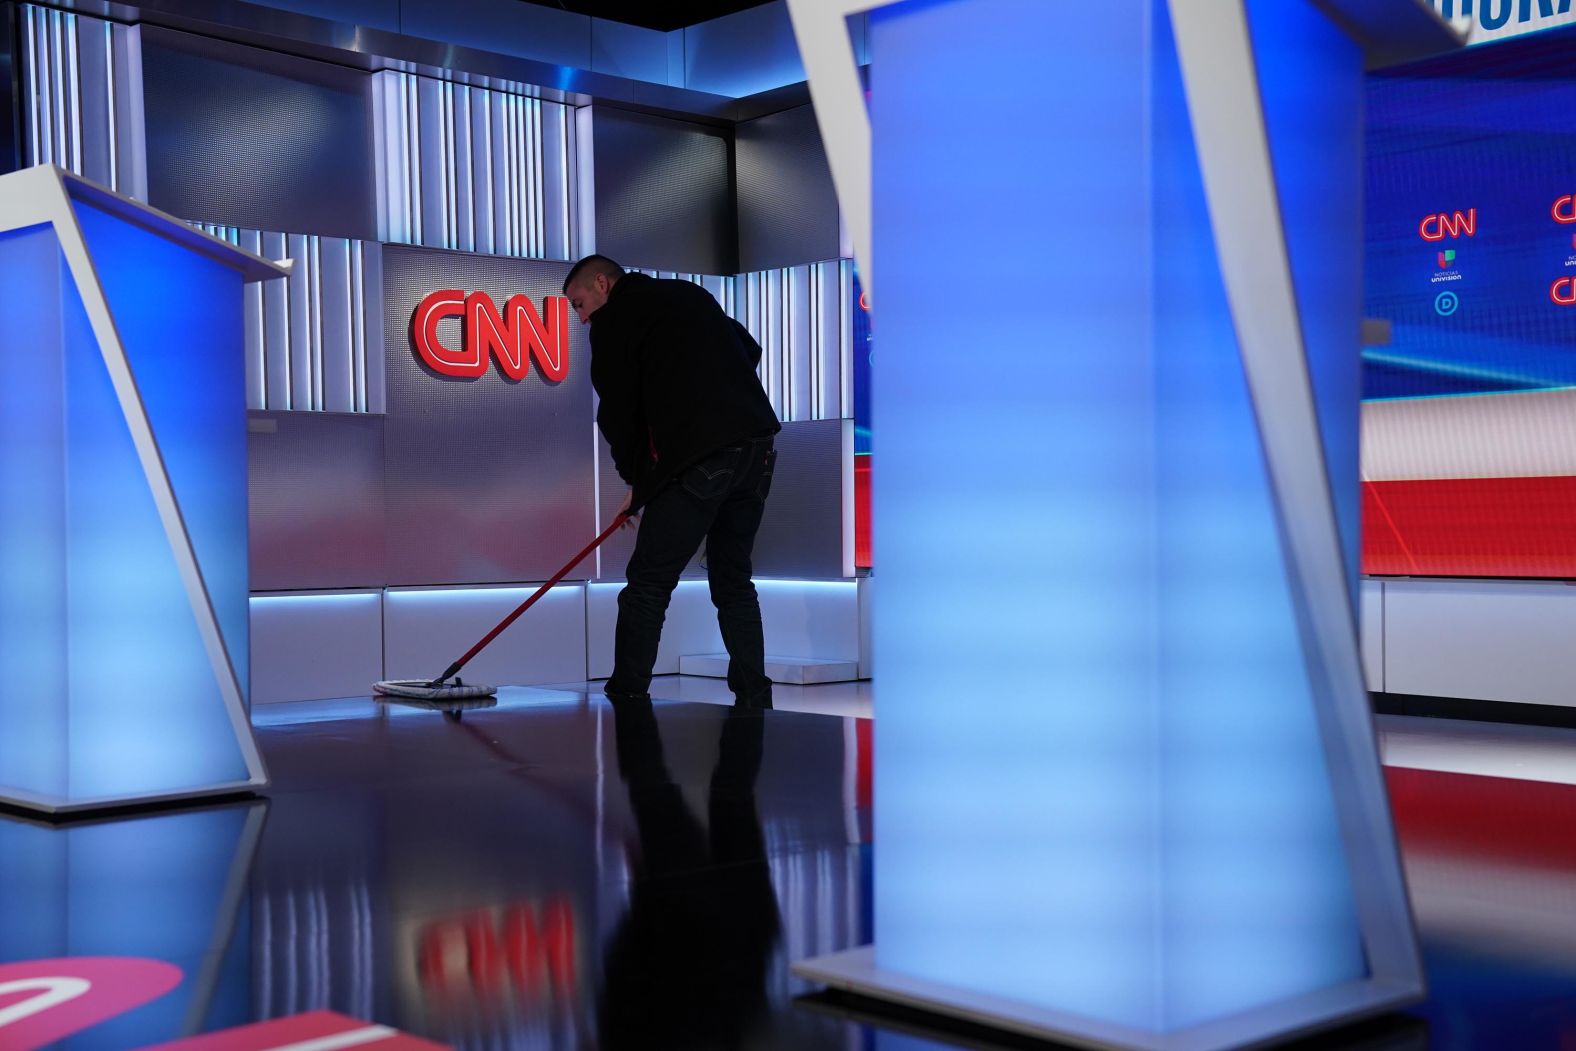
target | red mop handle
[{"x": 528, "y": 603}]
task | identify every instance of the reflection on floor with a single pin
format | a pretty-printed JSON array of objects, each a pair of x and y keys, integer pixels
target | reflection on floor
[{"x": 552, "y": 872}]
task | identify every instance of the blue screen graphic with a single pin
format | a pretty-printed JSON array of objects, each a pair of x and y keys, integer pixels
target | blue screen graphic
[
  {"x": 864, "y": 360},
  {"x": 1488, "y": 133}
]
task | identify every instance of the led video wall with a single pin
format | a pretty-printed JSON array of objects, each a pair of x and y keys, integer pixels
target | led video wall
[
  {"x": 1469, "y": 416},
  {"x": 863, "y": 349}
]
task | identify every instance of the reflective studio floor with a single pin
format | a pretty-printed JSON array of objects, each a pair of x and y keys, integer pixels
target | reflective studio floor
[{"x": 552, "y": 873}]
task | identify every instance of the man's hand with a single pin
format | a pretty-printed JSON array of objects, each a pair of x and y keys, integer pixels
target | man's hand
[{"x": 632, "y": 520}]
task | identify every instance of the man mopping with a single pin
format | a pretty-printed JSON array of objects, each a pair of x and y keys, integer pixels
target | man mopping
[{"x": 691, "y": 431}]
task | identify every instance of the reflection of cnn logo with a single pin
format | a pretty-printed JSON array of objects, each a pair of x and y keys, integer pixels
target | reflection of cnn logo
[
  {"x": 513, "y": 336},
  {"x": 1438, "y": 227},
  {"x": 531, "y": 948}
]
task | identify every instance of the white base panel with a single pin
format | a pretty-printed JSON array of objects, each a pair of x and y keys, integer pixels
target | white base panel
[
  {"x": 856, "y": 971},
  {"x": 311, "y": 645},
  {"x": 1484, "y": 640},
  {"x": 424, "y": 629},
  {"x": 793, "y": 671}
]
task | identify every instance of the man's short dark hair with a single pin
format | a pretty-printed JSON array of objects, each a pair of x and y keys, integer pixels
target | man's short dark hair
[{"x": 591, "y": 266}]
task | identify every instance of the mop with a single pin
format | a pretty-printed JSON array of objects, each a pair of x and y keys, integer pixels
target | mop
[{"x": 441, "y": 689}]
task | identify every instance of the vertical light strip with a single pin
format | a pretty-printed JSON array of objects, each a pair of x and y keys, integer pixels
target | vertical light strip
[
  {"x": 511, "y": 181},
  {"x": 486, "y": 159},
  {"x": 320, "y": 394},
  {"x": 289, "y": 383},
  {"x": 532, "y": 174},
  {"x": 74, "y": 86},
  {"x": 449, "y": 161},
  {"x": 57, "y": 91},
  {"x": 539, "y": 174},
  {"x": 358, "y": 329},
  {"x": 511, "y": 203},
  {"x": 790, "y": 308},
  {"x": 109, "y": 97},
  {"x": 352, "y": 373},
  {"x": 413, "y": 158},
  {"x": 817, "y": 394},
  {"x": 527, "y": 180},
  {"x": 465, "y": 163},
  {"x": 257, "y": 330},
  {"x": 567, "y": 176},
  {"x": 30, "y": 31}
]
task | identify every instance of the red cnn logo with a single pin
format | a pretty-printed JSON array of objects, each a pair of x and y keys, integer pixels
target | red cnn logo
[
  {"x": 1438, "y": 227},
  {"x": 1563, "y": 291},
  {"x": 514, "y": 336},
  {"x": 1564, "y": 209}
]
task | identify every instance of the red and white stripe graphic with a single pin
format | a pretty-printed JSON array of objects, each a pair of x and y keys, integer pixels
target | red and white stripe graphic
[
  {"x": 1480, "y": 485},
  {"x": 315, "y": 1031},
  {"x": 1483, "y": 865}
]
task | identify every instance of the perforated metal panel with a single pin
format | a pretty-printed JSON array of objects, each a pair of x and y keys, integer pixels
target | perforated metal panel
[
  {"x": 805, "y": 532},
  {"x": 787, "y": 206},
  {"x": 316, "y": 488},
  {"x": 489, "y": 480},
  {"x": 251, "y": 138},
  {"x": 664, "y": 193},
  {"x": 10, "y": 129}
]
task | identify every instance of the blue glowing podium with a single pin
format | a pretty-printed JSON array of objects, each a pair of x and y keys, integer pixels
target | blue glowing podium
[
  {"x": 1127, "y": 792},
  {"x": 123, "y": 502}
]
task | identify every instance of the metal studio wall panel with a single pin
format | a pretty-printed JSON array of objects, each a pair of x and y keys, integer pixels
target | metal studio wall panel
[
  {"x": 473, "y": 169},
  {"x": 307, "y": 337},
  {"x": 664, "y": 193},
  {"x": 787, "y": 206},
  {"x": 10, "y": 91},
  {"x": 317, "y": 507},
  {"x": 489, "y": 480},
  {"x": 257, "y": 139},
  {"x": 802, "y": 317},
  {"x": 806, "y": 531},
  {"x": 81, "y": 85}
]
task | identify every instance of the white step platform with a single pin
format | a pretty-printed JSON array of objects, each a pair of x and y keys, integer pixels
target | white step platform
[{"x": 794, "y": 671}]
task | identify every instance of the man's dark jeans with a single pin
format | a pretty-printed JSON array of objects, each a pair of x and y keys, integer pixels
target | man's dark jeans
[{"x": 719, "y": 500}]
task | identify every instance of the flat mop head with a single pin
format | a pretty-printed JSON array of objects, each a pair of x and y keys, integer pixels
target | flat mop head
[{"x": 427, "y": 690}]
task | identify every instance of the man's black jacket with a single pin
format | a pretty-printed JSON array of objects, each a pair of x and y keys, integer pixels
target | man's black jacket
[{"x": 676, "y": 378}]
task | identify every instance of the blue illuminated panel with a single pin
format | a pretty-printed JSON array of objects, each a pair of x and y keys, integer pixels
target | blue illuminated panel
[
  {"x": 32, "y": 515},
  {"x": 179, "y": 316},
  {"x": 147, "y": 713},
  {"x": 167, "y": 887},
  {"x": 124, "y": 700},
  {"x": 1253, "y": 861},
  {"x": 1100, "y": 784}
]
